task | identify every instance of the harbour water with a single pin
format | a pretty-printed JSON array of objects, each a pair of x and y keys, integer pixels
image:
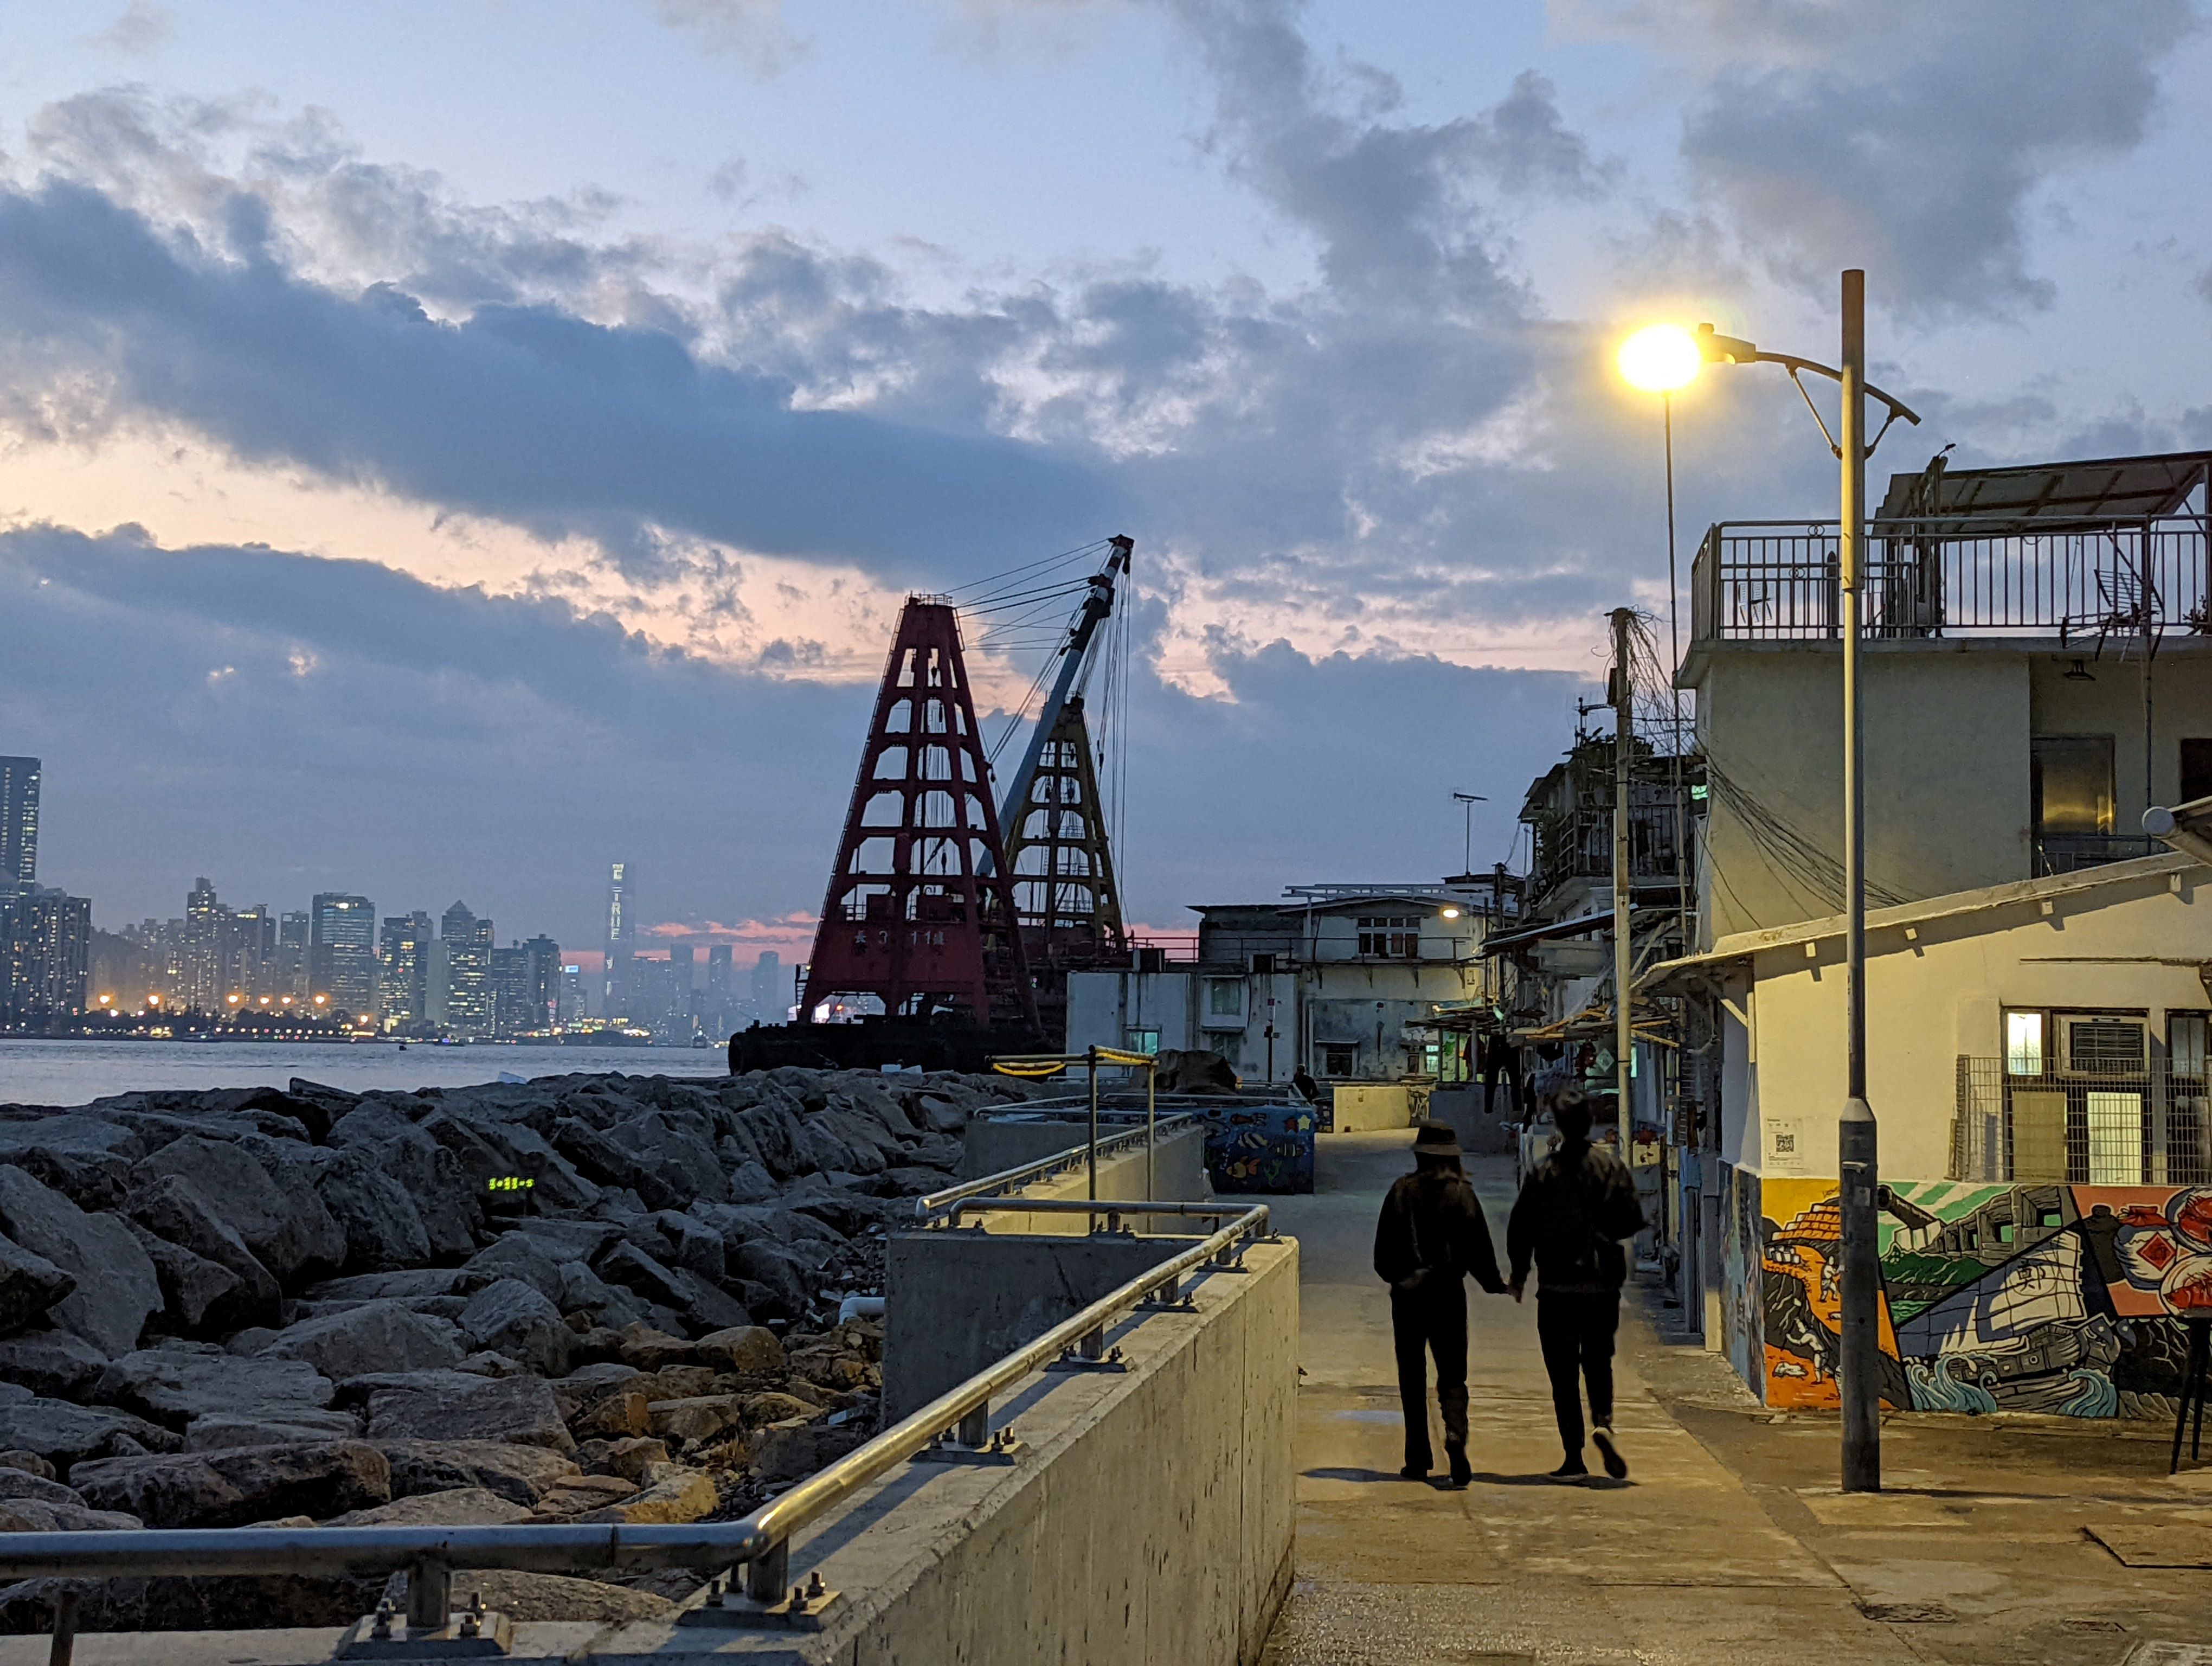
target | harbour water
[{"x": 70, "y": 1073}]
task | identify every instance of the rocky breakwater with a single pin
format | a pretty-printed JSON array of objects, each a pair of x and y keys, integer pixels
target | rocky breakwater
[{"x": 587, "y": 1297}]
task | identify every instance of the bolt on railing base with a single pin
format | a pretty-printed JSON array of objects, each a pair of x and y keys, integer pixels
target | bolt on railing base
[
  {"x": 468, "y": 1634},
  {"x": 1002, "y": 1449},
  {"x": 802, "y": 1608}
]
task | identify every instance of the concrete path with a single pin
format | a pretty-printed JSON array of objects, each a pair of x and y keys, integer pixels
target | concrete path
[{"x": 1728, "y": 1542}]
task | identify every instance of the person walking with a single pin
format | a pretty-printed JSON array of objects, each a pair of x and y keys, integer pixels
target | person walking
[
  {"x": 1430, "y": 1236},
  {"x": 1576, "y": 1206}
]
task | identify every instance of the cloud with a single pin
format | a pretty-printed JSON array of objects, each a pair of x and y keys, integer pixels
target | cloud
[
  {"x": 1910, "y": 140},
  {"x": 449, "y": 743},
  {"x": 526, "y": 413},
  {"x": 754, "y": 32},
  {"x": 143, "y": 29}
]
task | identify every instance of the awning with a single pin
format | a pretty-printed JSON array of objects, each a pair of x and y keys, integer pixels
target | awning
[
  {"x": 1497, "y": 942},
  {"x": 2107, "y": 488}
]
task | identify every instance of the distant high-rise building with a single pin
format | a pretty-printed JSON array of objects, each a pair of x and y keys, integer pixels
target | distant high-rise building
[
  {"x": 289, "y": 974},
  {"x": 403, "y": 971},
  {"x": 510, "y": 992},
  {"x": 253, "y": 955},
  {"x": 621, "y": 939},
  {"x": 652, "y": 998},
  {"x": 541, "y": 982},
  {"x": 525, "y": 987},
  {"x": 772, "y": 993},
  {"x": 572, "y": 994},
  {"x": 46, "y": 943},
  {"x": 206, "y": 949},
  {"x": 470, "y": 1007},
  {"x": 19, "y": 821},
  {"x": 715, "y": 1003},
  {"x": 342, "y": 953}
]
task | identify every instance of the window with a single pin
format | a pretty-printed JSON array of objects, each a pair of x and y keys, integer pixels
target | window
[
  {"x": 2070, "y": 782},
  {"x": 1337, "y": 1059},
  {"x": 1225, "y": 997},
  {"x": 2196, "y": 769},
  {"x": 1146, "y": 1042},
  {"x": 2024, "y": 1043},
  {"x": 1397, "y": 936},
  {"x": 2186, "y": 1039}
]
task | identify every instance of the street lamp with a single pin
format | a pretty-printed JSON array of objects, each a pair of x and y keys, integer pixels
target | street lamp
[
  {"x": 1664, "y": 359},
  {"x": 1859, "y": 1350}
]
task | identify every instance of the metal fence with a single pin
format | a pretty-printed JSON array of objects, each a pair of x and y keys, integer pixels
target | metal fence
[
  {"x": 2083, "y": 1127},
  {"x": 2085, "y": 580}
]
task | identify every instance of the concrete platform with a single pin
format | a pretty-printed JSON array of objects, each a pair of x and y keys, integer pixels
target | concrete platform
[{"x": 1728, "y": 1542}]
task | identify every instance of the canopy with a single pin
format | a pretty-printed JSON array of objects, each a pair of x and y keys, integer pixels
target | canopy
[{"x": 2108, "y": 488}]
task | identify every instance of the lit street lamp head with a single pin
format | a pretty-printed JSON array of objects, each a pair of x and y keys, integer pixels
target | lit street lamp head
[{"x": 1660, "y": 358}]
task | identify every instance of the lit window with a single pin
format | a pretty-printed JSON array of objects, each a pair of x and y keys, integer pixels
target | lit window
[
  {"x": 1146, "y": 1042},
  {"x": 2024, "y": 1043}
]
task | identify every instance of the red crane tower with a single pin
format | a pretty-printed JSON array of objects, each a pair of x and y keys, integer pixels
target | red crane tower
[{"x": 919, "y": 912}]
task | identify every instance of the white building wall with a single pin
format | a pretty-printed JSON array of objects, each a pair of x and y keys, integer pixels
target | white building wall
[{"x": 2134, "y": 942}]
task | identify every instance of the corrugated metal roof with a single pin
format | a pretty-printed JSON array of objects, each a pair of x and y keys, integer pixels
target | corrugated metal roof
[{"x": 2106, "y": 488}]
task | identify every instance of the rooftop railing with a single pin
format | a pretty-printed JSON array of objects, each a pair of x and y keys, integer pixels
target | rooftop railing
[{"x": 2083, "y": 580}]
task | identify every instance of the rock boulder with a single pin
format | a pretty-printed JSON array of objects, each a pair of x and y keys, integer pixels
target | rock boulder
[
  {"x": 117, "y": 1288},
  {"x": 244, "y": 1484},
  {"x": 375, "y": 1336}
]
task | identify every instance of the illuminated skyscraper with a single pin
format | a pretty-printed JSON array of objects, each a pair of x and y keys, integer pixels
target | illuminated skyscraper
[
  {"x": 621, "y": 939},
  {"x": 470, "y": 1007},
  {"x": 403, "y": 971},
  {"x": 19, "y": 821},
  {"x": 342, "y": 953}
]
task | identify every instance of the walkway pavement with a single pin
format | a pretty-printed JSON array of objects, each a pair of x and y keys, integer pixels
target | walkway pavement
[{"x": 1729, "y": 1542}]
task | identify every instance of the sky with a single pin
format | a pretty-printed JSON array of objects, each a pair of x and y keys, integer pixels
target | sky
[{"x": 444, "y": 447}]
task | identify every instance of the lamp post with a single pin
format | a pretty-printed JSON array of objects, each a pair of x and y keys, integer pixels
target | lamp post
[{"x": 1859, "y": 1342}]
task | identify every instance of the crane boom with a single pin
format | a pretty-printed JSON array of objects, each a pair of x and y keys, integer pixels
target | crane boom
[{"x": 1075, "y": 653}]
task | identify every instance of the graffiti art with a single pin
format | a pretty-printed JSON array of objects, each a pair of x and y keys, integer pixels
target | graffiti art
[{"x": 2056, "y": 1298}]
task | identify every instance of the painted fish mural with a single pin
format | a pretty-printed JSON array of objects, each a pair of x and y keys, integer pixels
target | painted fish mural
[{"x": 2056, "y": 1298}]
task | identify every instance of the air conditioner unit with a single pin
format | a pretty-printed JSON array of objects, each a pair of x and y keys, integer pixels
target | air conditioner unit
[{"x": 2100, "y": 1047}]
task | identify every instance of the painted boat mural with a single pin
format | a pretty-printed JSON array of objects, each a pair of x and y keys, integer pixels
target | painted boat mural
[{"x": 2055, "y": 1299}]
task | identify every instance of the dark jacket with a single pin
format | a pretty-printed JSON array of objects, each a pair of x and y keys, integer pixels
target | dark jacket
[
  {"x": 1432, "y": 1226},
  {"x": 1573, "y": 1210}
]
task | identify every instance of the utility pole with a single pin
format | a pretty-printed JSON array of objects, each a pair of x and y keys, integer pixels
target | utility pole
[
  {"x": 1624, "y": 735},
  {"x": 1859, "y": 1379}
]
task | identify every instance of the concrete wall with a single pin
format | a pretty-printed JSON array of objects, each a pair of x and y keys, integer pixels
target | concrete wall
[
  {"x": 1461, "y": 1108},
  {"x": 1178, "y": 1174},
  {"x": 1150, "y": 1522},
  {"x": 1947, "y": 727},
  {"x": 2133, "y": 942},
  {"x": 956, "y": 1301},
  {"x": 1361, "y": 1106},
  {"x": 2007, "y": 1301}
]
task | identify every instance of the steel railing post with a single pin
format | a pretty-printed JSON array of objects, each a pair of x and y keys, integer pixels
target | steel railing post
[
  {"x": 64, "y": 1646},
  {"x": 429, "y": 1594},
  {"x": 767, "y": 1573}
]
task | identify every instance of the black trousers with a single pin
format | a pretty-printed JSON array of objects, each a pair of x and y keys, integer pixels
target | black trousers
[
  {"x": 1431, "y": 1320},
  {"x": 1577, "y": 1331},
  {"x": 1491, "y": 1082}
]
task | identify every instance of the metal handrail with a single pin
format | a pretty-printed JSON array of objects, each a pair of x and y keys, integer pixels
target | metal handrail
[
  {"x": 1073, "y": 1206},
  {"x": 933, "y": 1204},
  {"x": 761, "y": 1540}
]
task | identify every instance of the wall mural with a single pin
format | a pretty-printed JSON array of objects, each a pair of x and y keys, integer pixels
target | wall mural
[{"x": 2053, "y": 1298}]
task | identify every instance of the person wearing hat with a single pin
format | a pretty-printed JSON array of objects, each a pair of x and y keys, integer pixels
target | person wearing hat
[{"x": 1430, "y": 1236}]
